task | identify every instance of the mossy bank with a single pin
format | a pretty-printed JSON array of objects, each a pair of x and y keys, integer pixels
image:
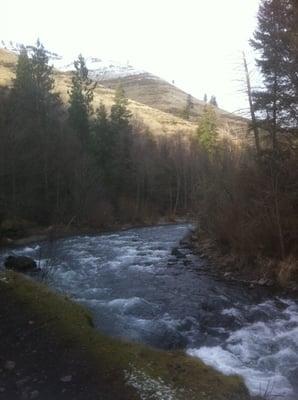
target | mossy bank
[{"x": 50, "y": 350}]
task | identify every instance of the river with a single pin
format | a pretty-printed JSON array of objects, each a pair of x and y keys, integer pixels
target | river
[{"x": 138, "y": 288}]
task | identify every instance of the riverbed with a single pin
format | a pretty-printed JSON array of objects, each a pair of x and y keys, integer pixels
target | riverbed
[{"x": 143, "y": 285}]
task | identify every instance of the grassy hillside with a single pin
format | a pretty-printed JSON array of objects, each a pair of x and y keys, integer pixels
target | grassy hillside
[
  {"x": 159, "y": 122},
  {"x": 7, "y": 67},
  {"x": 152, "y": 100},
  {"x": 160, "y": 94}
]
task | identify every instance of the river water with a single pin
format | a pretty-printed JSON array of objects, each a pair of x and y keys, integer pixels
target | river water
[{"x": 139, "y": 288}]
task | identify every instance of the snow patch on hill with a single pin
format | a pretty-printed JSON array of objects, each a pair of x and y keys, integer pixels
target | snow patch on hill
[
  {"x": 16, "y": 47},
  {"x": 99, "y": 69}
]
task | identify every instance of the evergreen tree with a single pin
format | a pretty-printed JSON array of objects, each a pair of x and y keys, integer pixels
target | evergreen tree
[
  {"x": 120, "y": 115},
  {"x": 23, "y": 82},
  {"x": 103, "y": 143},
  {"x": 42, "y": 76},
  {"x": 80, "y": 99},
  {"x": 19, "y": 112},
  {"x": 205, "y": 98},
  {"x": 291, "y": 43},
  {"x": 188, "y": 107},
  {"x": 120, "y": 129},
  {"x": 34, "y": 123},
  {"x": 22, "y": 98},
  {"x": 207, "y": 129},
  {"x": 213, "y": 101},
  {"x": 274, "y": 39},
  {"x": 46, "y": 107}
]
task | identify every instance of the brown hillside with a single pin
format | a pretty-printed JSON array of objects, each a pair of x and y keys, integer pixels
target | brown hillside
[
  {"x": 152, "y": 100},
  {"x": 158, "y": 93}
]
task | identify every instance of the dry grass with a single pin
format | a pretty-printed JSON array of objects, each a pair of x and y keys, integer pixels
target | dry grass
[
  {"x": 154, "y": 101},
  {"x": 7, "y": 67},
  {"x": 288, "y": 272},
  {"x": 158, "y": 93},
  {"x": 158, "y": 121}
]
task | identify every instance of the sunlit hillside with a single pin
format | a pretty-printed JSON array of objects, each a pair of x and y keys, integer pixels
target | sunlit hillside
[
  {"x": 152, "y": 100},
  {"x": 158, "y": 93}
]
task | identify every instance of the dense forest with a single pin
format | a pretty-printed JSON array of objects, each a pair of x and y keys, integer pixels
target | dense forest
[{"x": 70, "y": 163}]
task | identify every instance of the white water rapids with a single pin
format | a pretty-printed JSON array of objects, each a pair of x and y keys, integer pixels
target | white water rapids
[{"x": 137, "y": 289}]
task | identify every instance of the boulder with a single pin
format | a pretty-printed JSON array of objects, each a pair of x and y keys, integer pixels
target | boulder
[
  {"x": 20, "y": 263},
  {"x": 262, "y": 282},
  {"x": 265, "y": 282},
  {"x": 177, "y": 253}
]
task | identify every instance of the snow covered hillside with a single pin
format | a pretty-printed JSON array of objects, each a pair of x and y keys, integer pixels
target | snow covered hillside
[{"x": 99, "y": 69}]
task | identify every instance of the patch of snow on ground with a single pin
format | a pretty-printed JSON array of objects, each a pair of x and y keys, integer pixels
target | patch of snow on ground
[{"x": 148, "y": 387}]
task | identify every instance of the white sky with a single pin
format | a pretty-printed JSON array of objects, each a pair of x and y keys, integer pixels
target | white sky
[{"x": 197, "y": 43}]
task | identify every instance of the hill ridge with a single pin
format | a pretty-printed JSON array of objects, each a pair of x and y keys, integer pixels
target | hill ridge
[{"x": 154, "y": 101}]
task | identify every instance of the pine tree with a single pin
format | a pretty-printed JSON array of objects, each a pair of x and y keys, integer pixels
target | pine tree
[
  {"x": 34, "y": 123},
  {"x": 120, "y": 115},
  {"x": 120, "y": 130},
  {"x": 213, "y": 101},
  {"x": 103, "y": 143},
  {"x": 22, "y": 98},
  {"x": 188, "y": 107},
  {"x": 207, "y": 129},
  {"x": 277, "y": 102},
  {"x": 80, "y": 99},
  {"x": 42, "y": 75},
  {"x": 47, "y": 103},
  {"x": 205, "y": 98},
  {"x": 291, "y": 43},
  {"x": 23, "y": 82},
  {"x": 19, "y": 112}
]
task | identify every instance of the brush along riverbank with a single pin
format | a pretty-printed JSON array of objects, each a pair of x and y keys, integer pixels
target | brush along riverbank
[{"x": 257, "y": 270}]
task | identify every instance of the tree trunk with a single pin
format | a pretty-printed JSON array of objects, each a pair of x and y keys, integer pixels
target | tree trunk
[
  {"x": 274, "y": 126},
  {"x": 251, "y": 107}
]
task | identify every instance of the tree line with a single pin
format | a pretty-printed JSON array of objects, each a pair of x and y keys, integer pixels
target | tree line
[
  {"x": 252, "y": 209},
  {"x": 62, "y": 163},
  {"x": 71, "y": 162}
]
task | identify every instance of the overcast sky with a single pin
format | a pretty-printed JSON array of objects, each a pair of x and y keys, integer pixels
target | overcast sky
[{"x": 197, "y": 43}]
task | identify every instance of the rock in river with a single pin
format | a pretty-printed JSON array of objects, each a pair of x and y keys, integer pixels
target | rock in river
[{"x": 20, "y": 263}]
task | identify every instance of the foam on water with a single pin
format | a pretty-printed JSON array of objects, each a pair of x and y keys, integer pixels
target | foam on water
[
  {"x": 137, "y": 289},
  {"x": 233, "y": 312},
  {"x": 264, "y": 353},
  {"x": 124, "y": 305}
]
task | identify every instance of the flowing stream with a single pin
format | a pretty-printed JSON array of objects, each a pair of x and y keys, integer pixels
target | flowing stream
[{"x": 139, "y": 288}]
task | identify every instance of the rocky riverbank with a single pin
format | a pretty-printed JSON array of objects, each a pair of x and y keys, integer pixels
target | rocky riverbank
[
  {"x": 22, "y": 233},
  {"x": 279, "y": 275}
]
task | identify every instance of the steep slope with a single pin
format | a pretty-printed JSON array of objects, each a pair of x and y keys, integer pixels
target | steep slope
[
  {"x": 158, "y": 121},
  {"x": 158, "y": 93},
  {"x": 146, "y": 88},
  {"x": 154, "y": 101}
]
